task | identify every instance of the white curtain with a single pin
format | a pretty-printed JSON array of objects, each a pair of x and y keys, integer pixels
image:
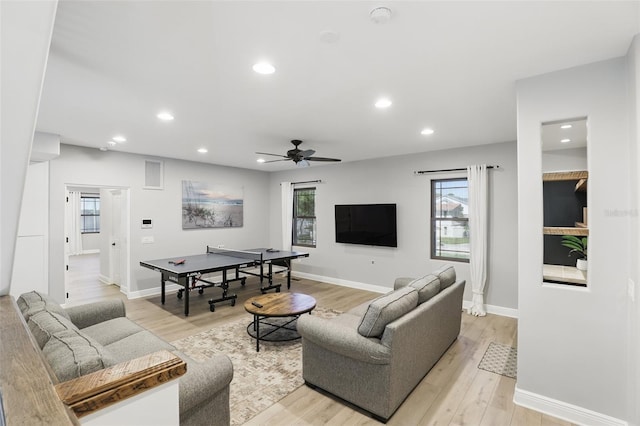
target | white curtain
[
  {"x": 478, "y": 204},
  {"x": 287, "y": 214},
  {"x": 74, "y": 225}
]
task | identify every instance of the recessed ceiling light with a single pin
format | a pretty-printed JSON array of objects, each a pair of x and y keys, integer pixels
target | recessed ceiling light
[
  {"x": 565, "y": 140},
  {"x": 427, "y": 132},
  {"x": 111, "y": 143},
  {"x": 203, "y": 150},
  {"x": 119, "y": 138},
  {"x": 260, "y": 160},
  {"x": 383, "y": 103},
  {"x": 165, "y": 116},
  {"x": 264, "y": 68},
  {"x": 566, "y": 126}
]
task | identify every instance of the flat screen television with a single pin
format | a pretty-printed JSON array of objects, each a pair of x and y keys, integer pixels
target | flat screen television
[{"x": 367, "y": 224}]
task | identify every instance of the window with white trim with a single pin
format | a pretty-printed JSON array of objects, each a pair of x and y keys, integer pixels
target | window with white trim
[{"x": 89, "y": 213}]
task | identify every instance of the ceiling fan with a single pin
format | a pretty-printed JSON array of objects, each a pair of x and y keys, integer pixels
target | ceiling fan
[{"x": 298, "y": 156}]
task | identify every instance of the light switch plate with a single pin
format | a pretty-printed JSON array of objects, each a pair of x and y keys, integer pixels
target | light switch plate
[{"x": 148, "y": 240}]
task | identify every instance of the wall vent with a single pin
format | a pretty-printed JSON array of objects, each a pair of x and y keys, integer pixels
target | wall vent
[{"x": 153, "y": 174}]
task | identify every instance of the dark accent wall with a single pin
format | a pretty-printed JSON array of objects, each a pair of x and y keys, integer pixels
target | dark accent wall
[{"x": 562, "y": 207}]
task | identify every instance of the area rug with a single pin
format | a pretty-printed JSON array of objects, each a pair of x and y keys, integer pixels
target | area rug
[
  {"x": 500, "y": 359},
  {"x": 260, "y": 379}
]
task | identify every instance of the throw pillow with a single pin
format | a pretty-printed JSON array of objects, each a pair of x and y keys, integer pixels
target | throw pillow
[
  {"x": 447, "y": 275},
  {"x": 427, "y": 286},
  {"x": 44, "y": 324},
  {"x": 385, "y": 309},
  {"x": 71, "y": 354},
  {"x": 33, "y": 302}
]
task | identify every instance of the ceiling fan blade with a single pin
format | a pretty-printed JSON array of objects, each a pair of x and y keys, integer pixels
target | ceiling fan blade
[
  {"x": 306, "y": 153},
  {"x": 274, "y": 161},
  {"x": 275, "y": 155},
  {"x": 321, "y": 159}
]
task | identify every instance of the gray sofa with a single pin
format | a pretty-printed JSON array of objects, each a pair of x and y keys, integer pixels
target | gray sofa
[
  {"x": 374, "y": 355},
  {"x": 83, "y": 339}
]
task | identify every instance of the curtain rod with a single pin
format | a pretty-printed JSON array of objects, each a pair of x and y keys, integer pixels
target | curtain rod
[
  {"x": 307, "y": 181},
  {"x": 422, "y": 172}
]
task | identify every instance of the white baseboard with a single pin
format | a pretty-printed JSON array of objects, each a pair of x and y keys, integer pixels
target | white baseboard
[
  {"x": 343, "y": 283},
  {"x": 563, "y": 410},
  {"x": 492, "y": 309},
  {"x": 497, "y": 310},
  {"x": 104, "y": 279},
  {"x": 155, "y": 291}
]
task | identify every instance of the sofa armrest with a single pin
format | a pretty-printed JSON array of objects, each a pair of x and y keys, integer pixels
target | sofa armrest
[
  {"x": 402, "y": 282},
  {"x": 93, "y": 313},
  {"x": 203, "y": 379},
  {"x": 342, "y": 340}
]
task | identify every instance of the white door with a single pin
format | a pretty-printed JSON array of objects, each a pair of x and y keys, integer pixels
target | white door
[{"x": 116, "y": 251}]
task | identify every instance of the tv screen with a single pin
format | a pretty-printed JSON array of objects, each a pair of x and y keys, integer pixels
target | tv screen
[{"x": 367, "y": 224}]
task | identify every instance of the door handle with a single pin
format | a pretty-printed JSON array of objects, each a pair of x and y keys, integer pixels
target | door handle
[{"x": 113, "y": 244}]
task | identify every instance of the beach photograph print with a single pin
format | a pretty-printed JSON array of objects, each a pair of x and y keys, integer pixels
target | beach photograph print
[{"x": 211, "y": 206}]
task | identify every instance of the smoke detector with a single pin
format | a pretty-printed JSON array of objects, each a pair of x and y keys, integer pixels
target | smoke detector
[{"x": 380, "y": 15}]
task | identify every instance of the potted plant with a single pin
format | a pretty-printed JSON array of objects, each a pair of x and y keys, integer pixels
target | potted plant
[{"x": 578, "y": 245}]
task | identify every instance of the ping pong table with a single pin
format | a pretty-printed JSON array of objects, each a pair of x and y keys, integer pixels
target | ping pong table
[{"x": 188, "y": 271}]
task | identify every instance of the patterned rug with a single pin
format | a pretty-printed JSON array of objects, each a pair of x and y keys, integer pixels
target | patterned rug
[
  {"x": 500, "y": 359},
  {"x": 260, "y": 379}
]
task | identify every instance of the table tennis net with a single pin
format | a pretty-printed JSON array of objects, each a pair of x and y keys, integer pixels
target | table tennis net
[{"x": 243, "y": 254}]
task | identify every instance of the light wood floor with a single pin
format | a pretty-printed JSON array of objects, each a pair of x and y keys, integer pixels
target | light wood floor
[{"x": 455, "y": 392}]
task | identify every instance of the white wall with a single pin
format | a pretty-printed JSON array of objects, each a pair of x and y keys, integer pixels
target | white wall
[
  {"x": 25, "y": 36},
  {"x": 564, "y": 159},
  {"x": 91, "y": 242},
  {"x": 572, "y": 342},
  {"x": 391, "y": 180},
  {"x": 84, "y": 166},
  {"x": 31, "y": 269},
  {"x": 633, "y": 63}
]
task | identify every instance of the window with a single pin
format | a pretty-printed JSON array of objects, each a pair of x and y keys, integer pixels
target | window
[
  {"x": 89, "y": 213},
  {"x": 304, "y": 217},
  {"x": 450, "y": 219}
]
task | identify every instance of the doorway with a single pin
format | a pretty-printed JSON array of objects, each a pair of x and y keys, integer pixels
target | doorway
[{"x": 96, "y": 239}]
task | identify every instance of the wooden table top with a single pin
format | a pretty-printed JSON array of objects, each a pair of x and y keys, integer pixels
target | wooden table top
[{"x": 280, "y": 304}]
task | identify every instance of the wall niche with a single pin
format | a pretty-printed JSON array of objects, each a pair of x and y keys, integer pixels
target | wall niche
[{"x": 565, "y": 219}]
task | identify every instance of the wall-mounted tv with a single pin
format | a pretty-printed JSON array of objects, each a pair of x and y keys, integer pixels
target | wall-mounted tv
[{"x": 367, "y": 224}]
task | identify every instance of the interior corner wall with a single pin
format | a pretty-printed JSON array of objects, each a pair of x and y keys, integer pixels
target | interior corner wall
[
  {"x": 633, "y": 63},
  {"x": 392, "y": 180},
  {"x": 25, "y": 36},
  {"x": 92, "y": 167},
  {"x": 572, "y": 341}
]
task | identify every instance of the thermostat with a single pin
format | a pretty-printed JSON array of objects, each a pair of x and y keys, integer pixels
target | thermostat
[{"x": 146, "y": 224}]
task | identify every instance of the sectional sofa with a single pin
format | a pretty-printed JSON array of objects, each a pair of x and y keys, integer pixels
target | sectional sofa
[{"x": 81, "y": 340}]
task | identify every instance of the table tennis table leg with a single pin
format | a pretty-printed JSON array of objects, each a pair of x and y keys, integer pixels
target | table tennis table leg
[
  {"x": 185, "y": 283},
  {"x": 162, "y": 281}
]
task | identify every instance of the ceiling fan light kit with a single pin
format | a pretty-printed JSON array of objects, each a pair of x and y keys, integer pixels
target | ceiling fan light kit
[{"x": 380, "y": 15}]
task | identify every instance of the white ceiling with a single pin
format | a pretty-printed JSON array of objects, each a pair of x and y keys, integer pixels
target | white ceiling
[{"x": 451, "y": 66}]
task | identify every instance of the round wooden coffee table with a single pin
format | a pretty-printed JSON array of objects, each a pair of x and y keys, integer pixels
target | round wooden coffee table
[{"x": 267, "y": 308}]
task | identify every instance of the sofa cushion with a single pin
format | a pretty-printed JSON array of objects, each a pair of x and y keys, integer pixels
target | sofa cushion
[
  {"x": 137, "y": 345},
  {"x": 108, "y": 332},
  {"x": 33, "y": 302},
  {"x": 447, "y": 275},
  {"x": 44, "y": 324},
  {"x": 71, "y": 354},
  {"x": 427, "y": 286},
  {"x": 387, "y": 308}
]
